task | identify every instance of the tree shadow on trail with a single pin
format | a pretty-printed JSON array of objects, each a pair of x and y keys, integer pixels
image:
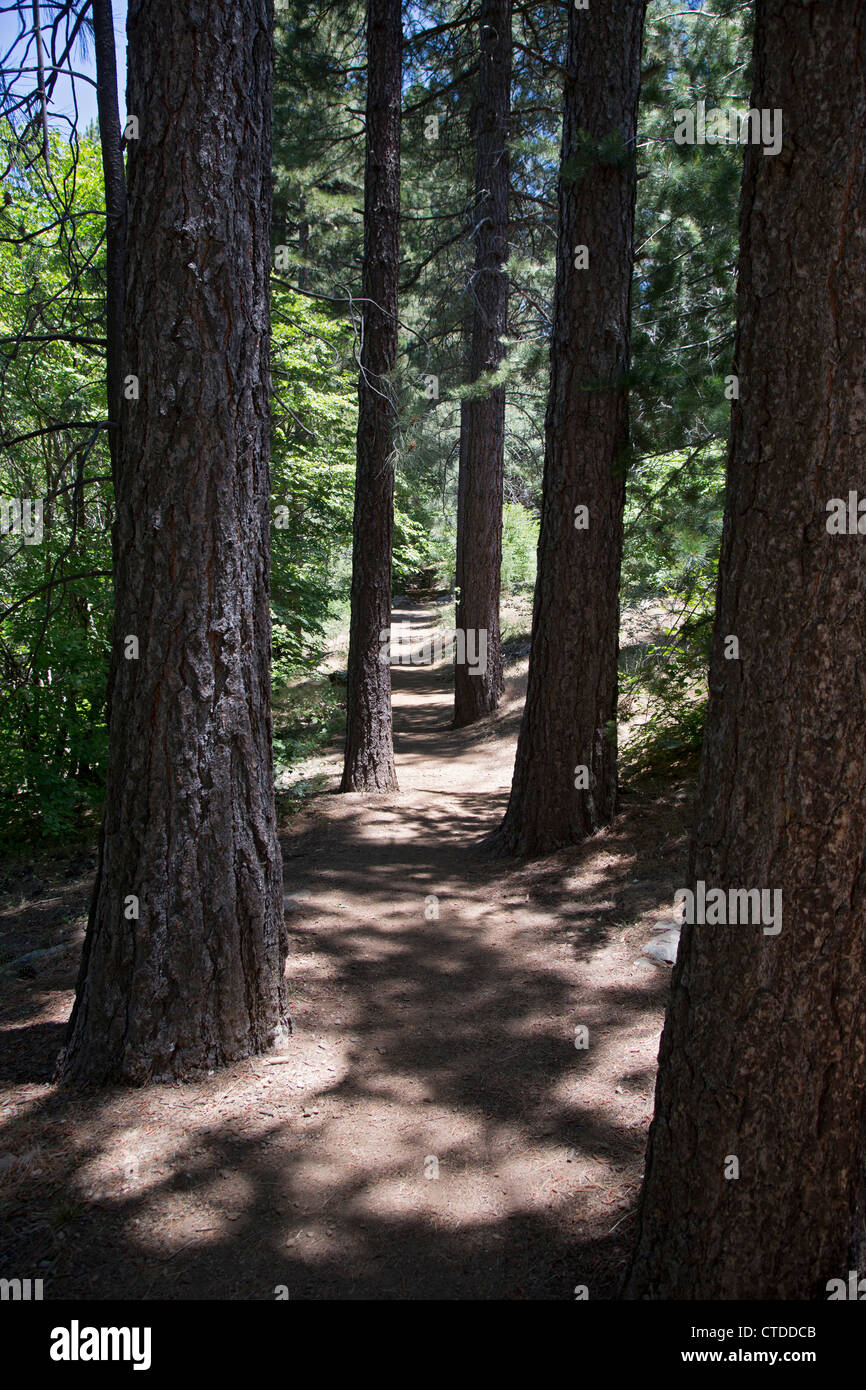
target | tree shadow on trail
[{"x": 435, "y": 1133}]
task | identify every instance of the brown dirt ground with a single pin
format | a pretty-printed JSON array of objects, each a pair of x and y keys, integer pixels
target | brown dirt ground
[{"x": 419, "y": 1041}]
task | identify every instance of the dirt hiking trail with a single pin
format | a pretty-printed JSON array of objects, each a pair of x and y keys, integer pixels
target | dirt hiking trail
[{"x": 433, "y": 1131}]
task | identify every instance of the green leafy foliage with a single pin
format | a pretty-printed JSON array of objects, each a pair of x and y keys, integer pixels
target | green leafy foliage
[
  {"x": 55, "y": 597},
  {"x": 519, "y": 544},
  {"x": 682, "y": 345},
  {"x": 54, "y": 594}
]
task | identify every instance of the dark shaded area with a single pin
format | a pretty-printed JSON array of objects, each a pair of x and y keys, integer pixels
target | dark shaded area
[{"x": 436, "y": 1007}]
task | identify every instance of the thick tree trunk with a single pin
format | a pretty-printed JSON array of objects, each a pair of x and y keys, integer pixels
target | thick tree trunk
[
  {"x": 369, "y": 758},
  {"x": 569, "y": 721},
  {"x": 479, "y": 517},
  {"x": 763, "y": 1056},
  {"x": 114, "y": 176},
  {"x": 184, "y": 954}
]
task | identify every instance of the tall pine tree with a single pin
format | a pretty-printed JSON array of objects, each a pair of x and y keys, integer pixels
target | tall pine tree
[
  {"x": 482, "y": 451},
  {"x": 755, "y": 1170},
  {"x": 369, "y": 756},
  {"x": 564, "y": 784},
  {"x": 183, "y": 958}
]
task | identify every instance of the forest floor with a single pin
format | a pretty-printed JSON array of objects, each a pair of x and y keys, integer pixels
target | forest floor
[{"x": 432, "y": 1132}]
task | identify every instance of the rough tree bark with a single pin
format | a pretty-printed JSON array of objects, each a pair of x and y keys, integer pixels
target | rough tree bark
[
  {"x": 763, "y": 1056},
  {"x": 482, "y": 421},
  {"x": 569, "y": 721},
  {"x": 369, "y": 757},
  {"x": 114, "y": 176},
  {"x": 183, "y": 960}
]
